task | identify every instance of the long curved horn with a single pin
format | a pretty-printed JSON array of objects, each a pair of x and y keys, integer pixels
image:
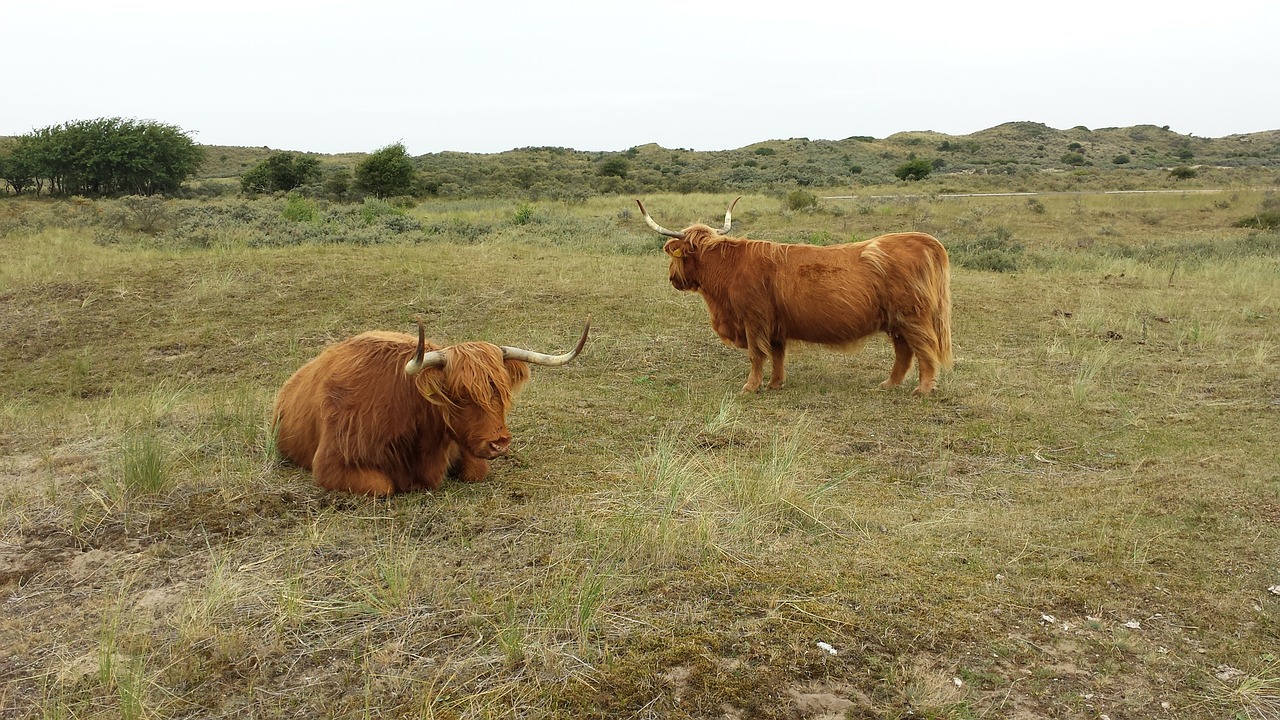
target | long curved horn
[
  {"x": 534, "y": 358},
  {"x": 423, "y": 359},
  {"x": 728, "y": 216},
  {"x": 656, "y": 226}
]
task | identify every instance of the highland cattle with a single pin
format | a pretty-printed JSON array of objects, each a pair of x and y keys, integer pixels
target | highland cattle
[
  {"x": 383, "y": 412},
  {"x": 762, "y": 294}
]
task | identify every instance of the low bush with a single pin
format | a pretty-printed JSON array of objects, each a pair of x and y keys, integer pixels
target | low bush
[
  {"x": 912, "y": 170},
  {"x": 800, "y": 199},
  {"x": 1262, "y": 220},
  {"x": 996, "y": 252}
]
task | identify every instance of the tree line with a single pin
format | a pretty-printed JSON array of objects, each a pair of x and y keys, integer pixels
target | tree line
[
  {"x": 386, "y": 172},
  {"x": 108, "y": 156},
  {"x": 118, "y": 156}
]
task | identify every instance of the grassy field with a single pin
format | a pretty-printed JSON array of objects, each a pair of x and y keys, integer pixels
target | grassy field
[{"x": 1083, "y": 521}]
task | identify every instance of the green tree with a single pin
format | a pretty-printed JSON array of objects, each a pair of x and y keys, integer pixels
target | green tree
[
  {"x": 337, "y": 183},
  {"x": 111, "y": 156},
  {"x": 917, "y": 169},
  {"x": 615, "y": 167},
  {"x": 387, "y": 172},
  {"x": 281, "y": 172},
  {"x": 18, "y": 169}
]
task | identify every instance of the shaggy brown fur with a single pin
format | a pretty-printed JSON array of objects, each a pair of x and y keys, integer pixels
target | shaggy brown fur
[
  {"x": 355, "y": 419},
  {"x": 762, "y": 294}
]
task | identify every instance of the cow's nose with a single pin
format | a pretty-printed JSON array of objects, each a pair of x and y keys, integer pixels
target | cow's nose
[{"x": 500, "y": 445}]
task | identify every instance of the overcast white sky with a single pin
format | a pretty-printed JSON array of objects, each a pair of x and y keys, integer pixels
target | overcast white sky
[{"x": 476, "y": 76}]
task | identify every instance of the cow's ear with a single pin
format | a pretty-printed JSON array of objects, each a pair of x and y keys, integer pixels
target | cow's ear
[{"x": 681, "y": 248}]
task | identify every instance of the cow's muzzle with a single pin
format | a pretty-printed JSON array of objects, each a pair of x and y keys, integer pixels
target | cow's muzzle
[
  {"x": 681, "y": 283},
  {"x": 495, "y": 448}
]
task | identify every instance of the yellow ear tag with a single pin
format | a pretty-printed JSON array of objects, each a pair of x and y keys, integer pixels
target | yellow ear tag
[{"x": 677, "y": 253}]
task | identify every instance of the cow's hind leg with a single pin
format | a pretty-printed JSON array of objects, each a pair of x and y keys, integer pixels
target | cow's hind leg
[
  {"x": 923, "y": 343},
  {"x": 778, "y": 358},
  {"x": 334, "y": 473},
  {"x": 928, "y": 375},
  {"x": 902, "y": 355}
]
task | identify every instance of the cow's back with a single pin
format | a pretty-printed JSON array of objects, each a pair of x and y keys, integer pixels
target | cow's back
[
  {"x": 839, "y": 294},
  {"x": 338, "y": 382},
  {"x": 822, "y": 294}
]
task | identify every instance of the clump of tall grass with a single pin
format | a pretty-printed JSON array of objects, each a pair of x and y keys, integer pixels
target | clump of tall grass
[
  {"x": 691, "y": 502},
  {"x": 142, "y": 467}
]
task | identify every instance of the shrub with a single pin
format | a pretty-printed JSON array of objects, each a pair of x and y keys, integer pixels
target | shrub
[
  {"x": 281, "y": 172},
  {"x": 1073, "y": 158},
  {"x": 800, "y": 199},
  {"x": 337, "y": 183},
  {"x": 386, "y": 172},
  {"x": 145, "y": 214},
  {"x": 912, "y": 170},
  {"x": 1120, "y": 159},
  {"x": 374, "y": 209},
  {"x": 615, "y": 167},
  {"x": 299, "y": 209},
  {"x": 994, "y": 253},
  {"x": 399, "y": 223},
  {"x": 1262, "y": 220},
  {"x": 1182, "y": 172}
]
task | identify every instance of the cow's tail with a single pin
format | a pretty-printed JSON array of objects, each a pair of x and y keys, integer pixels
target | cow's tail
[
  {"x": 942, "y": 309},
  {"x": 935, "y": 292}
]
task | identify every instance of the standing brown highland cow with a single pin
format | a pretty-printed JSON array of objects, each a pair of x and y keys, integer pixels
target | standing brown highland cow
[{"x": 762, "y": 294}]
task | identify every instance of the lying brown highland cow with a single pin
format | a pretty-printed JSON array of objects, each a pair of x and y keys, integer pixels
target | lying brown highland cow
[
  {"x": 762, "y": 294},
  {"x": 384, "y": 412}
]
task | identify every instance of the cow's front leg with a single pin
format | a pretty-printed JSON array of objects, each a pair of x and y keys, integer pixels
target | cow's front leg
[
  {"x": 757, "y": 351},
  {"x": 472, "y": 468},
  {"x": 431, "y": 466},
  {"x": 465, "y": 466}
]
